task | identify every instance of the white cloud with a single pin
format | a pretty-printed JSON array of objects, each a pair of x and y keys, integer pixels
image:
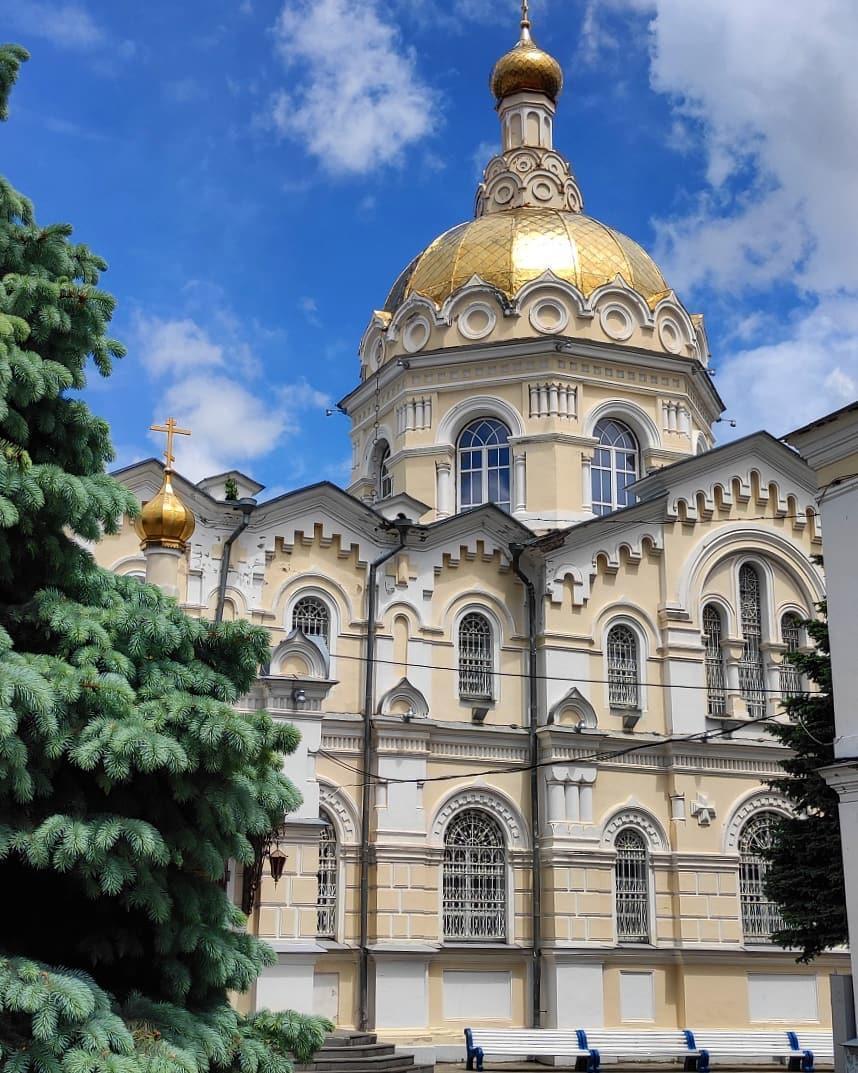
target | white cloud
[
  {"x": 185, "y": 91},
  {"x": 358, "y": 102},
  {"x": 811, "y": 370},
  {"x": 310, "y": 308},
  {"x": 68, "y": 25},
  {"x": 233, "y": 421}
]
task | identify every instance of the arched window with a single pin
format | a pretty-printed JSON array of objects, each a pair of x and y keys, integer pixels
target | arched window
[
  {"x": 791, "y": 637},
  {"x": 752, "y": 669},
  {"x": 312, "y": 617},
  {"x": 484, "y": 465},
  {"x": 326, "y": 896},
  {"x": 623, "y": 681},
  {"x": 615, "y": 466},
  {"x": 716, "y": 697},
  {"x": 476, "y": 656},
  {"x": 632, "y": 885},
  {"x": 474, "y": 878},
  {"x": 760, "y": 916},
  {"x": 385, "y": 477}
]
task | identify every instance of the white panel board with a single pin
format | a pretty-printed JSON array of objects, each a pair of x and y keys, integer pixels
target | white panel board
[
  {"x": 326, "y": 995},
  {"x": 477, "y": 995},
  {"x": 401, "y": 997},
  {"x": 637, "y": 997},
  {"x": 775, "y": 996}
]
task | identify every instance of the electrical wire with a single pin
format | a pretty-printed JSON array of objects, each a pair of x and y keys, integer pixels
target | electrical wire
[
  {"x": 607, "y": 755},
  {"x": 556, "y": 677}
]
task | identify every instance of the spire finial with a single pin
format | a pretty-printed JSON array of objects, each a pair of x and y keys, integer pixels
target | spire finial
[
  {"x": 171, "y": 428},
  {"x": 525, "y": 20}
]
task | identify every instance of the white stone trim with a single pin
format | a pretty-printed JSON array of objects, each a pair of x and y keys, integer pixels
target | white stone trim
[
  {"x": 748, "y": 806},
  {"x": 641, "y": 424},
  {"x": 470, "y": 409},
  {"x": 491, "y": 800},
  {"x": 638, "y": 818},
  {"x": 342, "y": 811}
]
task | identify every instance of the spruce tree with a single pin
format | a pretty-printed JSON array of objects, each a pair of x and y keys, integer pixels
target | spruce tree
[
  {"x": 127, "y": 779},
  {"x": 805, "y": 867}
]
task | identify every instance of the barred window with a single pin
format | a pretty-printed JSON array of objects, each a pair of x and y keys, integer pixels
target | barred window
[
  {"x": 615, "y": 466},
  {"x": 716, "y": 697},
  {"x": 474, "y": 878},
  {"x": 476, "y": 656},
  {"x": 752, "y": 669},
  {"x": 385, "y": 477},
  {"x": 623, "y": 681},
  {"x": 760, "y": 916},
  {"x": 632, "y": 884},
  {"x": 326, "y": 897},
  {"x": 312, "y": 617},
  {"x": 791, "y": 637},
  {"x": 484, "y": 465}
]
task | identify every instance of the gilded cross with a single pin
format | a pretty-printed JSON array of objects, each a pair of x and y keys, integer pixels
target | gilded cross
[
  {"x": 525, "y": 13},
  {"x": 171, "y": 429}
]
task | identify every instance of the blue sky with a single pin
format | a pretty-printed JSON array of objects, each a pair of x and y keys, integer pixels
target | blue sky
[{"x": 257, "y": 172}]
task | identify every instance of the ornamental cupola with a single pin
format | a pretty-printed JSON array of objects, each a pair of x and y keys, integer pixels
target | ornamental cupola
[{"x": 166, "y": 523}]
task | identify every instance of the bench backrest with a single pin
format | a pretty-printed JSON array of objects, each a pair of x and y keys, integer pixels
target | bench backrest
[
  {"x": 751, "y": 1043},
  {"x": 821, "y": 1043},
  {"x": 526, "y": 1041},
  {"x": 643, "y": 1041}
]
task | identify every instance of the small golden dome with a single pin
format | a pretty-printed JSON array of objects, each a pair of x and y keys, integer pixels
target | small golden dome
[
  {"x": 527, "y": 67},
  {"x": 165, "y": 520},
  {"x": 511, "y": 248}
]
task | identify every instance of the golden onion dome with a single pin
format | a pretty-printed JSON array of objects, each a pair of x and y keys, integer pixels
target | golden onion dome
[
  {"x": 165, "y": 520},
  {"x": 509, "y": 249},
  {"x": 526, "y": 67}
]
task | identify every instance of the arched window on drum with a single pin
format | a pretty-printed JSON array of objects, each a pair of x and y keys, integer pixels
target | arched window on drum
[
  {"x": 475, "y": 867},
  {"x": 312, "y": 616},
  {"x": 485, "y": 474},
  {"x": 615, "y": 466}
]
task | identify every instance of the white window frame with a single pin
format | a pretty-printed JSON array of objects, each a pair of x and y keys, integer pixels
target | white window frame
[
  {"x": 334, "y": 907},
  {"x": 505, "y": 872},
  {"x": 642, "y": 939},
  {"x": 484, "y": 467},
  {"x": 756, "y": 708},
  {"x": 494, "y": 649},
  {"x": 715, "y": 668},
  {"x": 613, "y": 468},
  {"x": 642, "y": 651},
  {"x": 750, "y": 897}
]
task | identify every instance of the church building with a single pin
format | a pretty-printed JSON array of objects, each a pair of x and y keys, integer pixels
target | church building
[{"x": 532, "y": 650}]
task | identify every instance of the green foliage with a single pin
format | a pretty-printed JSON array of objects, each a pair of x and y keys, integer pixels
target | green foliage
[
  {"x": 231, "y": 490},
  {"x": 11, "y": 58},
  {"x": 127, "y": 779},
  {"x": 805, "y": 875}
]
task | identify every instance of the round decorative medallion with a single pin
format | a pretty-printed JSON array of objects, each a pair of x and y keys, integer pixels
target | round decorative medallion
[
  {"x": 542, "y": 190},
  {"x": 616, "y": 321},
  {"x": 416, "y": 334},
  {"x": 477, "y": 321},
  {"x": 549, "y": 316},
  {"x": 670, "y": 335},
  {"x": 504, "y": 193}
]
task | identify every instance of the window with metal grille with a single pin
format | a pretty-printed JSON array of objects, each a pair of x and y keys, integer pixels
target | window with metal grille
[
  {"x": 752, "y": 668},
  {"x": 474, "y": 878},
  {"x": 623, "y": 682},
  {"x": 791, "y": 683},
  {"x": 385, "y": 477},
  {"x": 760, "y": 916},
  {"x": 716, "y": 697},
  {"x": 484, "y": 465},
  {"x": 476, "y": 657},
  {"x": 632, "y": 883},
  {"x": 326, "y": 898},
  {"x": 312, "y": 617},
  {"x": 615, "y": 466}
]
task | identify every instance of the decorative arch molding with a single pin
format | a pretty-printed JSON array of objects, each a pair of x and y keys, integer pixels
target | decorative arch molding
[
  {"x": 334, "y": 595},
  {"x": 620, "y": 291},
  {"x": 341, "y": 810},
  {"x": 490, "y": 800},
  {"x": 748, "y": 806},
  {"x": 631, "y": 615},
  {"x": 475, "y": 288},
  {"x": 458, "y": 416},
  {"x": 635, "y": 816},
  {"x": 574, "y": 701},
  {"x": 549, "y": 285},
  {"x": 579, "y": 583},
  {"x": 130, "y": 564},
  {"x": 637, "y": 419},
  {"x": 752, "y": 544},
  {"x": 406, "y": 693},
  {"x": 729, "y": 618},
  {"x": 306, "y": 648},
  {"x": 484, "y": 603},
  {"x": 237, "y": 597},
  {"x": 371, "y": 450}
]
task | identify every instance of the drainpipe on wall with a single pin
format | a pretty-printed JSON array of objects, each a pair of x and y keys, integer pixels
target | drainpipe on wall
[
  {"x": 516, "y": 551},
  {"x": 402, "y": 527},
  {"x": 247, "y": 507}
]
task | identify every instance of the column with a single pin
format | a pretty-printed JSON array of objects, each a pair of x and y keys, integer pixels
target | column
[
  {"x": 556, "y": 802},
  {"x": 586, "y": 482},
  {"x": 519, "y": 483},
  {"x": 162, "y": 568},
  {"x": 444, "y": 488}
]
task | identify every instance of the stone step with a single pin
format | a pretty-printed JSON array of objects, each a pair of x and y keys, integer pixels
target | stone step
[
  {"x": 340, "y": 1060},
  {"x": 354, "y": 1050},
  {"x": 350, "y": 1039}
]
